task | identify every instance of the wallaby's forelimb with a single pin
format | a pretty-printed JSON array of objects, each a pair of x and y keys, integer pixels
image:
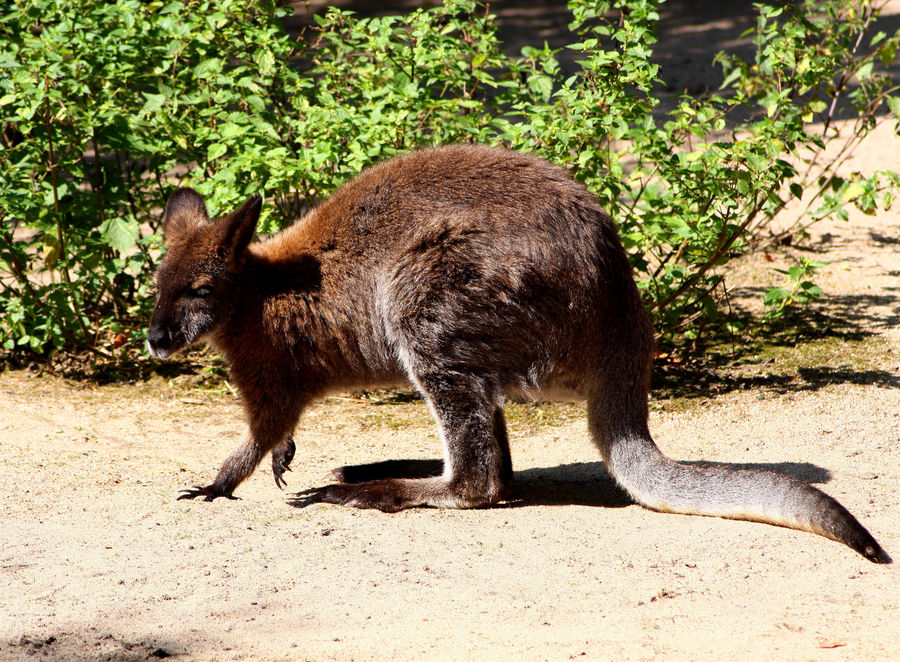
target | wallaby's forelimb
[
  {"x": 282, "y": 455},
  {"x": 269, "y": 431},
  {"x": 240, "y": 464}
]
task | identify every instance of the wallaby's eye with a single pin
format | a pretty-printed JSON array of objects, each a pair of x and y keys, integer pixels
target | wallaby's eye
[{"x": 202, "y": 292}]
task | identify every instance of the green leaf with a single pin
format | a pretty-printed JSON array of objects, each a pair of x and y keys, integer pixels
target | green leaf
[
  {"x": 774, "y": 296},
  {"x": 865, "y": 71},
  {"x": 120, "y": 233},
  {"x": 853, "y": 191},
  {"x": 817, "y": 106},
  {"x": 894, "y": 106},
  {"x": 542, "y": 85},
  {"x": 757, "y": 162},
  {"x": 154, "y": 101},
  {"x": 207, "y": 68},
  {"x": 230, "y": 130},
  {"x": 215, "y": 150},
  {"x": 693, "y": 156},
  {"x": 888, "y": 53},
  {"x": 265, "y": 60}
]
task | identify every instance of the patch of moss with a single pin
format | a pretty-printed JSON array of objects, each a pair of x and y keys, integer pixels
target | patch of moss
[
  {"x": 530, "y": 416},
  {"x": 780, "y": 367}
]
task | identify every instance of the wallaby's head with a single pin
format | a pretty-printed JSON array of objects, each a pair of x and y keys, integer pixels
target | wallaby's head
[{"x": 197, "y": 279}]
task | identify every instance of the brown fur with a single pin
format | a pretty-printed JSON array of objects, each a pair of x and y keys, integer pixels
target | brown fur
[{"x": 471, "y": 273}]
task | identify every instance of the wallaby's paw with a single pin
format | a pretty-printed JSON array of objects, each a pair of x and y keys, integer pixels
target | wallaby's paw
[
  {"x": 208, "y": 493},
  {"x": 281, "y": 460}
]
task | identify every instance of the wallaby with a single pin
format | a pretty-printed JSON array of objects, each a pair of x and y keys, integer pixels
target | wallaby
[{"x": 472, "y": 273}]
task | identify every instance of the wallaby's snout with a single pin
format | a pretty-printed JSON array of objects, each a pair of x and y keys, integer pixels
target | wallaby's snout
[
  {"x": 164, "y": 335},
  {"x": 158, "y": 338},
  {"x": 159, "y": 341}
]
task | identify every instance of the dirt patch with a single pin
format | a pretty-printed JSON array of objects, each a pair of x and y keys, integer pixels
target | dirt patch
[{"x": 77, "y": 647}]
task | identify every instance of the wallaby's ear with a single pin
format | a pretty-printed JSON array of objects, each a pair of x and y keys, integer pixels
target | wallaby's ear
[
  {"x": 185, "y": 212},
  {"x": 237, "y": 230}
]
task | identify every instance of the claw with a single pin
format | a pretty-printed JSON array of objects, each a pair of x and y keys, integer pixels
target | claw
[
  {"x": 307, "y": 497},
  {"x": 281, "y": 461},
  {"x": 208, "y": 493}
]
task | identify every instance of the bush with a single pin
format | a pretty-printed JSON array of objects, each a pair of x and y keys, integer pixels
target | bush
[{"x": 106, "y": 107}]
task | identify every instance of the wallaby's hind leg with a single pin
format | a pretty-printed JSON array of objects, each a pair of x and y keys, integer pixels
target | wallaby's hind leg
[
  {"x": 476, "y": 468},
  {"x": 360, "y": 473},
  {"x": 500, "y": 434},
  {"x": 617, "y": 418}
]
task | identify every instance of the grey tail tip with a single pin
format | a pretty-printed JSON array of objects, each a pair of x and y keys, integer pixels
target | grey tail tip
[
  {"x": 857, "y": 537},
  {"x": 873, "y": 551},
  {"x": 877, "y": 555}
]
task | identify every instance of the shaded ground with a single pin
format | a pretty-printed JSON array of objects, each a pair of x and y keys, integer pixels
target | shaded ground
[{"x": 98, "y": 561}]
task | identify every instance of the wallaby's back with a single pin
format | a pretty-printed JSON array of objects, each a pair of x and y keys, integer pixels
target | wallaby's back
[{"x": 497, "y": 245}]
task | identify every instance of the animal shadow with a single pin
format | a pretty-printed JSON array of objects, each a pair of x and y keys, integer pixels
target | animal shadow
[{"x": 573, "y": 484}]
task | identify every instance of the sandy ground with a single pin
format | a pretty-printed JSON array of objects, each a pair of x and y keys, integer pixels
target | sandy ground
[{"x": 98, "y": 560}]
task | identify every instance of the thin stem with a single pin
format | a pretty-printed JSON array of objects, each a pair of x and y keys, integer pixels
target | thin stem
[
  {"x": 98, "y": 176},
  {"x": 60, "y": 235}
]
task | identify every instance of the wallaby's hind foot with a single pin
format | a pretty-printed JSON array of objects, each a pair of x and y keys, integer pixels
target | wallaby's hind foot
[
  {"x": 390, "y": 495},
  {"x": 362, "y": 473},
  {"x": 394, "y": 485}
]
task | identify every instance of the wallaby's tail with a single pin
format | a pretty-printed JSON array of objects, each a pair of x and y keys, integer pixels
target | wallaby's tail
[{"x": 659, "y": 483}]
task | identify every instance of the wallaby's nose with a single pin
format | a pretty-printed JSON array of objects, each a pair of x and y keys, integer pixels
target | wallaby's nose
[{"x": 158, "y": 336}]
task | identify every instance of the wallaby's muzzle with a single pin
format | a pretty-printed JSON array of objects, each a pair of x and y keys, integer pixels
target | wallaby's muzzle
[{"x": 159, "y": 342}]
